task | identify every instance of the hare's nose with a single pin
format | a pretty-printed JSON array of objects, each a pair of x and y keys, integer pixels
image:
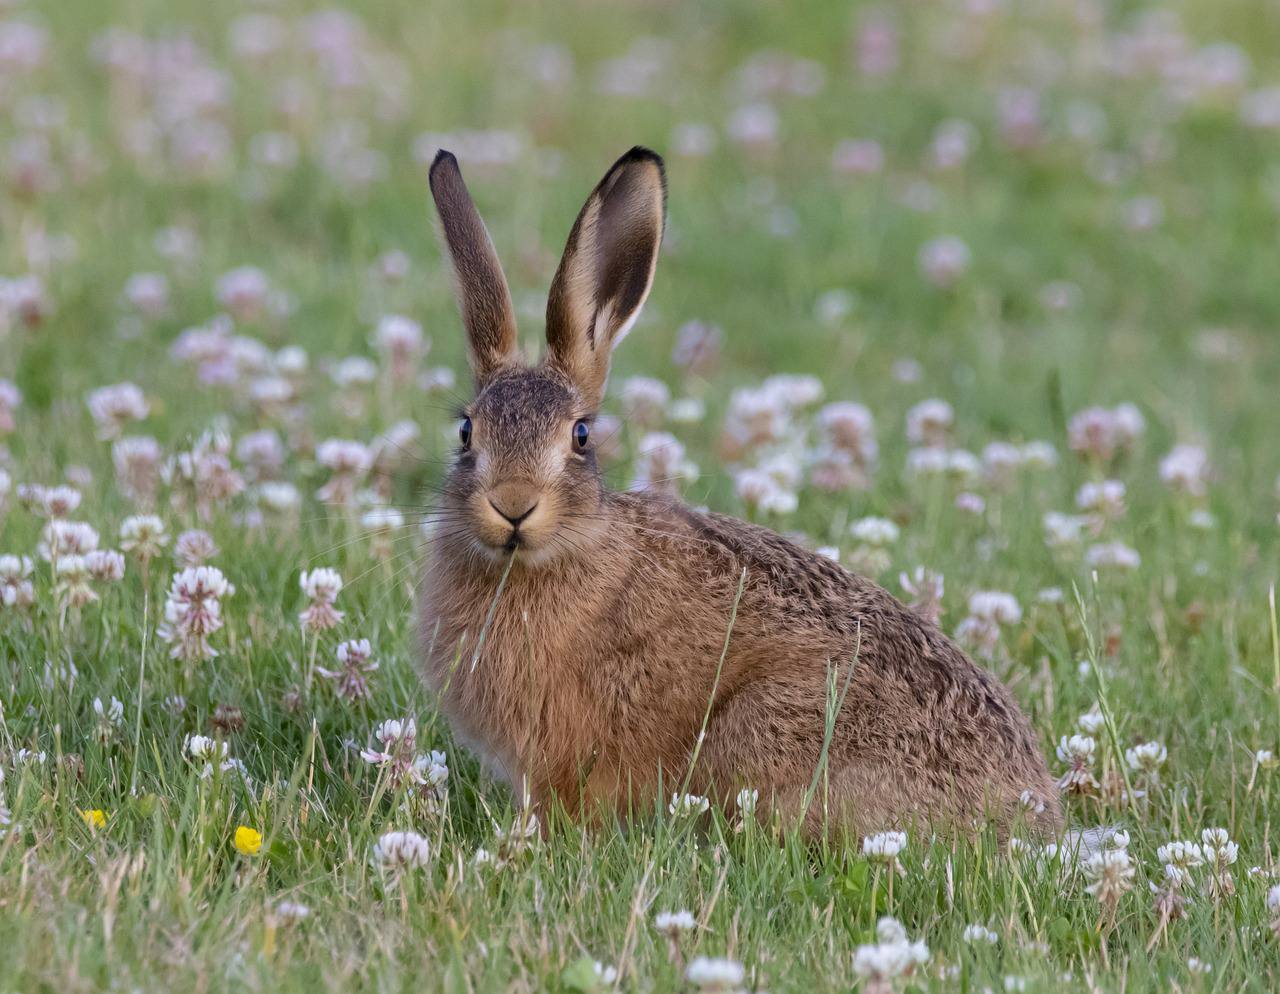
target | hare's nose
[{"x": 513, "y": 519}]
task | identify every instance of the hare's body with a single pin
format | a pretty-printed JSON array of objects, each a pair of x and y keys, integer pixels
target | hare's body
[
  {"x": 585, "y": 676},
  {"x": 605, "y": 712}
]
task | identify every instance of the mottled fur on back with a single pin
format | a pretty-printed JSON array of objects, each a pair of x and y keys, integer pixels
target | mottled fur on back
[{"x": 600, "y": 657}]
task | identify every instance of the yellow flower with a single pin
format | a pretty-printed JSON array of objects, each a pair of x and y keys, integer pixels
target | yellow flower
[
  {"x": 94, "y": 817},
  {"x": 248, "y": 841}
]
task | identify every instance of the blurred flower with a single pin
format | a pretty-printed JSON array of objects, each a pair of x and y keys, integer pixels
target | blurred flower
[
  {"x": 1110, "y": 874},
  {"x": 95, "y": 818},
  {"x": 194, "y": 548},
  {"x": 144, "y": 536},
  {"x": 396, "y": 851},
  {"x": 710, "y": 974},
  {"x": 925, "y": 589},
  {"x": 114, "y": 406},
  {"x": 16, "y": 590},
  {"x": 944, "y": 260},
  {"x": 137, "y": 459}
]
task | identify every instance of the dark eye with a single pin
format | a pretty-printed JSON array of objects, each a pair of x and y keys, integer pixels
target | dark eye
[
  {"x": 581, "y": 433},
  {"x": 464, "y": 433}
]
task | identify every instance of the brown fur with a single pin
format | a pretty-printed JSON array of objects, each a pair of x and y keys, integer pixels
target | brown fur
[{"x": 601, "y": 658}]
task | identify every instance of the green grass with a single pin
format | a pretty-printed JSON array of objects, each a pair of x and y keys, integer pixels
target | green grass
[{"x": 1185, "y": 645}]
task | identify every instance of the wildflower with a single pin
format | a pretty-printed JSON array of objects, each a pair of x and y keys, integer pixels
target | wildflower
[
  {"x": 929, "y": 423},
  {"x": 884, "y": 848},
  {"x": 644, "y": 401},
  {"x": 687, "y": 805},
  {"x": 745, "y": 803},
  {"x": 661, "y": 463},
  {"x": 402, "y": 344},
  {"x": 697, "y": 349},
  {"x": 673, "y": 923},
  {"x": 1146, "y": 758},
  {"x": 1264, "y": 759},
  {"x": 989, "y": 610},
  {"x": 892, "y": 956},
  {"x": 114, "y": 406},
  {"x": 73, "y": 580},
  {"x": 201, "y": 747},
  {"x": 95, "y": 818},
  {"x": 243, "y": 292},
  {"x": 105, "y": 565},
  {"x": 711, "y": 974},
  {"x": 194, "y": 548},
  {"x": 1220, "y": 855},
  {"x": 926, "y": 589},
  {"x": 193, "y": 612},
  {"x": 1110, "y": 874},
  {"x": 1273, "y": 909},
  {"x": 1000, "y": 463},
  {"x": 874, "y": 531},
  {"x": 944, "y": 260},
  {"x": 397, "y": 851},
  {"x": 760, "y": 491},
  {"x": 1186, "y": 470},
  {"x": 355, "y": 660},
  {"x": 1063, "y": 530},
  {"x": 1099, "y": 434},
  {"x": 136, "y": 459},
  {"x": 1092, "y": 721},
  {"x": 1105, "y": 499},
  {"x": 1079, "y": 751},
  {"x": 66, "y": 538},
  {"x": 1115, "y": 555},
  {"x": 348, "y": 462},
  {"x": 248, "y": 841},
  {"x": 290, "y": 912},
  {"x": 16, "y": 590},
  {"x": 979, "y": 933},
  {"x": 203, "y": 475},
  {"x": 110, "y": 717},
  {"x": 10, "y": 398},
  {"x": 321, "y": 588}
]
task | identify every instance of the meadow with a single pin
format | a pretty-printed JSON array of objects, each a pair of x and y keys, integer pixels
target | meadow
[{"x": 979, "y": 297}]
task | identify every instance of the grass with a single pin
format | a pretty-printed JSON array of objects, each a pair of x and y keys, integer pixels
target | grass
[{"x": 1182, "y": 650}]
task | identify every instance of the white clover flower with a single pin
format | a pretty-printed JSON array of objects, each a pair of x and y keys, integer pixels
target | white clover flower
[
  {"x": 1181, "y": 854},
  {"x": 1092, "y": 721},
  {"x": 688, "y": 805},
  {"x": 1147, "y": 757},
  {"x": 112, "y": 713},
  {"x": 144, "y": 535},
  {"x": 672, "y": 923},
  {"x": 1110, "y": 873},
  {"x": 291, "y": 912},
  {"x": 321, "y": 588},
  {"x": 711, "y": 974},
  {"x": 980, "y": 933},
  {"x": 202, "y": 747},
  {"x": 875, "y": 531},
  {"x": 1273, "y": 900},
  {"x": 402, "y": 851},
  {"x": 1197, "y": 965},
  {"x": 1077, "y": 748},
  {"x": 746, "y": 801},
  {"x": 884, "y": 847},
  {"x": 995, "y": 606},
  {"x": 1115, "y": 555}
]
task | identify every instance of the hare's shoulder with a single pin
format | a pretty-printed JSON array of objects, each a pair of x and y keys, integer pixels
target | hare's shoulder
[{"x": 796, "y": 579}]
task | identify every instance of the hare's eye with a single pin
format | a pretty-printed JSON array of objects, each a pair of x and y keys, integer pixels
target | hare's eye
[
  {"x": 581, "y": 434},
  {"x": 464, "y": 433}
]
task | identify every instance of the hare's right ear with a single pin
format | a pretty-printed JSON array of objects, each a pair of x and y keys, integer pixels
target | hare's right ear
[
  {"x": 607, "y": 270},
  {"x": 483, "y": 297}
]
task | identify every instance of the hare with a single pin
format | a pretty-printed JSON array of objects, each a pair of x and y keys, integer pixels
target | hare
[{"x": 601, "y": 650}]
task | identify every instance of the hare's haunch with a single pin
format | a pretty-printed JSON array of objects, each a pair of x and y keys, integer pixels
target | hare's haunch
[{"x": 611, "y": 642}]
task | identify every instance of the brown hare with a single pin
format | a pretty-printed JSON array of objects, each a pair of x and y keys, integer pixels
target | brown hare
[{"x": 581, "y": 639}]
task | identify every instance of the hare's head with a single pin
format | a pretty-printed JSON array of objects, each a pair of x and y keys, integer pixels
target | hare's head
[{"x": 526, "y": 476}]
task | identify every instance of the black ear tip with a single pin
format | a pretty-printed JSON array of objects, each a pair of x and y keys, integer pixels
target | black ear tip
[
  {"x": 639, "y": 153},
  {"x": 443, "y": 159}
]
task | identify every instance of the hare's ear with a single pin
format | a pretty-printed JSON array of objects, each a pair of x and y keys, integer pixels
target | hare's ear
[
  {"x": 607, "y": 270},
  {"x": 483, "y": 297}
]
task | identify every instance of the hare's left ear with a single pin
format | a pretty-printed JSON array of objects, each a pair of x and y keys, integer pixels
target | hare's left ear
[{"x": 607, "y": 270}]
